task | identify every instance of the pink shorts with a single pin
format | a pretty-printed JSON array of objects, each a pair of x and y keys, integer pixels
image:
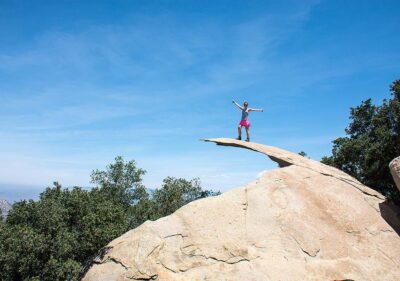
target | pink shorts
[{"x": 245, "y": 123}]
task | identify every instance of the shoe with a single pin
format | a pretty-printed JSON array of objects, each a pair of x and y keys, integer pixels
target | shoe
[
  {"x": 247, "y": 140},
  {"x": 239, "y": 138}
]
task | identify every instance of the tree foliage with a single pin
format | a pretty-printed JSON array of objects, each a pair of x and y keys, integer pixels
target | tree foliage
[
  {"x": 51, "y": 238},
  {"x": 121, "y": 181},
  {"x": 302, "y": 153},
  {"x": 372, "y": 141},
  {"x": 175, "y": 193}
]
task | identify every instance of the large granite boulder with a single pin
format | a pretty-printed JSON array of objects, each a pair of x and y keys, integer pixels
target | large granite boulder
[
  {"x": 395, "y": 170},
  {"x": 304, "y": 221}
]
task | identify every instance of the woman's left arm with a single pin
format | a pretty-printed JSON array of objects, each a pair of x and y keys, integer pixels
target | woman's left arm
[{"x": 256, "y": 109}]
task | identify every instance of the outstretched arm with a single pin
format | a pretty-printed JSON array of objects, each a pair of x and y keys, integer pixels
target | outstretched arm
[
  {"x": 256, "y": 109},
  {"x": 238, "y": 105}
]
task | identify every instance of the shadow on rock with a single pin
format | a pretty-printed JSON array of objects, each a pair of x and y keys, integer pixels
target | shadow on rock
[{"x": 391, "y": 214}]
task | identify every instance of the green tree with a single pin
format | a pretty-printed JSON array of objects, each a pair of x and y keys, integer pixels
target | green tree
[
  {"x": 175, "y": 193},
  {"x": 143, "y": 210},
  {"x": 50, "y": 239},
  {"x": 372, "y": 141},
  {"x": 121, "y": 182},
  {"x": 302, "y": 153}
]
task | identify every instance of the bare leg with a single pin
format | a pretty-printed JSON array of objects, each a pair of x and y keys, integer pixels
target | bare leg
[
  {"x": 239, "y": 132},
  {"x": 248, "y": 133}
]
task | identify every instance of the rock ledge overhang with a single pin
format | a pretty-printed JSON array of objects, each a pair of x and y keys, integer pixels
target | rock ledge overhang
[{"x": 286, "y": 158}]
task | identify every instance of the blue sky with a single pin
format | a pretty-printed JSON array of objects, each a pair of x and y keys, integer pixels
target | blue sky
[{"x": 84, "y": 81}]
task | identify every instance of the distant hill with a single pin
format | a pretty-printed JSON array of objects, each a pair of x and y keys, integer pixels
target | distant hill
[
  {"x": 5, "y": 206},
  {"x": 16, "y": 192}
]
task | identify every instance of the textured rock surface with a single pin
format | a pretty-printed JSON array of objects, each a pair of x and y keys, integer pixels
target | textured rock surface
[
  {"x": 305, "y": 221},
  {"x": 4, "y": 207},
  {"x": 395, "y": 170}
]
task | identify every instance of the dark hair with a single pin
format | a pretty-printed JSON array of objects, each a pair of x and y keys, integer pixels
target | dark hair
[{"x": 245, "y": 103}]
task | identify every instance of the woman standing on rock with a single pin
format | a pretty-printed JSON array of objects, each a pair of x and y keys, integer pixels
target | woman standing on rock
[{"x": 245, "y": 119}]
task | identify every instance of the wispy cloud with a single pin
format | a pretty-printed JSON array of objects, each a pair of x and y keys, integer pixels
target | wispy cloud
[
  {"x": 148, "y": 86},
  {"x": 74, "y": 92},
  {"x": 102, "y": 85}
]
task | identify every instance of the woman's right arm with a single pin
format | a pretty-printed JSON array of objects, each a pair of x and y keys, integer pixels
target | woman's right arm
[{"x": 238, "y": 105}]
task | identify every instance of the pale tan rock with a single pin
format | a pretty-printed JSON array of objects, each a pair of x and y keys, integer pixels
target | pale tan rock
[
  {"x": 395, "y": 170},
  {"x": 305, "y": 221},
  {"x": 5, "y": 207}
]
